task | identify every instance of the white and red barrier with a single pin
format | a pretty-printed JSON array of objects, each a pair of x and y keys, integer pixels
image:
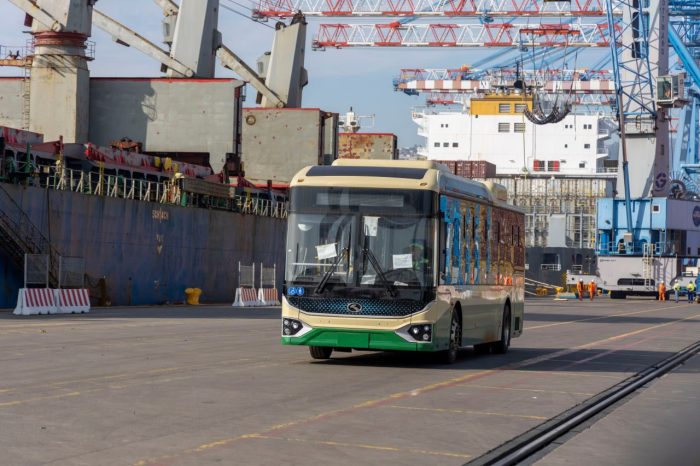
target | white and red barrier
[
  {"x": 268, "y": 297},
  {"x": 246, "y": 297},
  {"x": 31, "y": 301},
  {"x": 72, "y": 301}
]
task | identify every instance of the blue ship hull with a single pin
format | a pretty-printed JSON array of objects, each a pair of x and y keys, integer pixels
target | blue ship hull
[{"x": 147, "y": 253}]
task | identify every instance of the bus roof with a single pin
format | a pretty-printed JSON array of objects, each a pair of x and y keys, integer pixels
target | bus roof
[{"x": 397, "y": 174}]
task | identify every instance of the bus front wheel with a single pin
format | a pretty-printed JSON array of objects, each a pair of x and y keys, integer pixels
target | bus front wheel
[
  {"x": 320, "y": 352},
  {"x": 502, "y": 345}
]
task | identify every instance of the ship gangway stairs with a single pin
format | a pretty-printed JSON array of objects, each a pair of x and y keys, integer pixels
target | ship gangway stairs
[{"x": 19, "y": 236}]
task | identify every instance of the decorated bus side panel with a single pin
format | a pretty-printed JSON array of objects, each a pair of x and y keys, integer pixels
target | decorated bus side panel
[{"x": 482, "y": 262}]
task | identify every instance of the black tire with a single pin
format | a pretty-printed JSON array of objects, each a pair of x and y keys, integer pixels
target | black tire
[
  {"x": 482, "y": 348},
  {"x": 320, "y": 352},
  {"x": 450, "y": 355},
  {"x": 502, "y": 345},
  {"x": 617, "y": 295}
]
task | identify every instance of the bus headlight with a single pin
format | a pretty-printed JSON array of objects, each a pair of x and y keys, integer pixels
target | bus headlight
[
  {"x": 293, "y": 327},
  {"x": 421, "y": 333}
]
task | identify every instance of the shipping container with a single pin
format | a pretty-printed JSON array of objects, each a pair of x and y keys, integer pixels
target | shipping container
[
  {"x": 278, "y": 142},
  {"x": 482, "y": 169},
  {"x": 379, "y": 146},
  {"x": 470, "y": 168}
]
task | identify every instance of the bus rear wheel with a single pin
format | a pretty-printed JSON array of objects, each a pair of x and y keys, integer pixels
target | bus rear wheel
[
  {"x": 320, "y": 352},
  {"x": 450, "y": 355},
  {"x": 502, "y": 345}
]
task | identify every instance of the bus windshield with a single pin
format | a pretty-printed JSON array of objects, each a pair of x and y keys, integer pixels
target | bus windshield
[{"x": 338, "y": 243}]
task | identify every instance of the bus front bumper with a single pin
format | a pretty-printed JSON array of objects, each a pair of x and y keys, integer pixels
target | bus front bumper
[{"x": 358, "y": 339}]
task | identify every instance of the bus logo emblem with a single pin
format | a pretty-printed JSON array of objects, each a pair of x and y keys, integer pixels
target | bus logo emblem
[{"x": 354, "y": 308}]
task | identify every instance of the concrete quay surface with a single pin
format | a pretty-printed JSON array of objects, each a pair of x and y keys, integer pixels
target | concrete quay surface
[{"x": 212, "y": 385}]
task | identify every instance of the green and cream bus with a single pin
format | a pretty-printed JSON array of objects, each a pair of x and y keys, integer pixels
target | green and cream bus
[{"x": 401, "y": 255}]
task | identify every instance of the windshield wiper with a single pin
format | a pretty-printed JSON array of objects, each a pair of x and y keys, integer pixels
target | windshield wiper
[
  {"x": 378, "y": 268},
  {"x": 327, "y": 275}
]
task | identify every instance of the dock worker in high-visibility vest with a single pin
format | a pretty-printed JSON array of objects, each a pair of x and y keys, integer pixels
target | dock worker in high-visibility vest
[
  {"x": 579, "y": 289},
  {"x": 662, "y": 291},
  {"x": 677, "y": 290},
  {"x": 591, "y": 289},
  {"x": 691, "y": 291}
]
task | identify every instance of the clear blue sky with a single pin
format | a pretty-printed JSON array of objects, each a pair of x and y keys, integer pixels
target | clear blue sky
[{"x": 338, "y": 79}]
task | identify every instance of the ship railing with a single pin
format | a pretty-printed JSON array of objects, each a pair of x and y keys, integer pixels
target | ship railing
[
  {"x": 100, "y": 184},
  {"x": 124, "y": 187},
  {"x": 661, "y": 248},
  {"x": 264, "y": 207},
  {"x": 552, "y": 267}
]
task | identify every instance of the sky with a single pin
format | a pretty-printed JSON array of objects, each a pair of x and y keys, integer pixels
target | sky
[{"x": 338, "y": 79}]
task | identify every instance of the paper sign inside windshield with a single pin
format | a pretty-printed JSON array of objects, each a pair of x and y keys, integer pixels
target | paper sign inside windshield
[
  {"x": 326, "y": 251},
  {"x": 403, "y": 261},
  {"x": 368, "y": 279},
  {"x": 371, "y": 226}
]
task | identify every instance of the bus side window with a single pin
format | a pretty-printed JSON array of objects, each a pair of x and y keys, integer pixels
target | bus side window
[
  {"x": 456, "y": 261},
  {"x": 442, "y": 237}
]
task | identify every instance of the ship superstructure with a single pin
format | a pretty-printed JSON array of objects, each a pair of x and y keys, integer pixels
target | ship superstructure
[{"x": 575, "y": 146}]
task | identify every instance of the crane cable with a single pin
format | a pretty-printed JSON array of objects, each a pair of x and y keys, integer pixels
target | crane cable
[{"x": 233, "y": 10}]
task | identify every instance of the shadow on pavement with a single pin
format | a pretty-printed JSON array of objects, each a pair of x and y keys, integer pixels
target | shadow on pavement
[{"x": 517, "y": 359}]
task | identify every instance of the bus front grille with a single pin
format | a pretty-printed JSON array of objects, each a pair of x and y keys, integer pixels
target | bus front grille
[{"x": 356, "y": 307}]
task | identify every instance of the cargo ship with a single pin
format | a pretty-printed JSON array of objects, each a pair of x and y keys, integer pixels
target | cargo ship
[
  {"x": 556, "y": 172},
  {"x": 142, "y": 228}
]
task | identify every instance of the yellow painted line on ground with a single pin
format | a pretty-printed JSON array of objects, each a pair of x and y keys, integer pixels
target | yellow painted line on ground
[
  {"x": 623, "y": 314},
  {"x": 400, "y": 395},
  {"x": 692, "y": 399},
  {"x": 466, "y": 411},
  {"x": 364, "y": 446},
  {"x": 573, "y": 374},
  {"x": 40, "y": 325},
  {"x": 534, "y": 390},
  {"x": 122, "y": 375},
  {"x": 53, "y": 385},
  {"x": 39, "y": 398},
  {"x": 129, "y": 384},
  {"x": 44, "y": 327}
]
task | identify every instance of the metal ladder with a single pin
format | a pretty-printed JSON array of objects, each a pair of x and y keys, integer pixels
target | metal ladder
[
  {"x": 26, "y": 95},
  {"x": 19, "y": 236},
  {"x": 648, "y": 250},
  {"x": 26, "y": 84}
]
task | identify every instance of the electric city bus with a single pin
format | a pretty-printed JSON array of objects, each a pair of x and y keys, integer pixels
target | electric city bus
[{"x": 401, "y": 255}]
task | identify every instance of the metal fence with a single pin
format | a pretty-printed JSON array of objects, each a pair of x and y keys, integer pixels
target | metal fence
[
  {"x": 268, "y": 276},
  {"x": 246, "y": 276},
  {"x": 36, "y": 270},
  {"x": 71, "y": 272}
]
